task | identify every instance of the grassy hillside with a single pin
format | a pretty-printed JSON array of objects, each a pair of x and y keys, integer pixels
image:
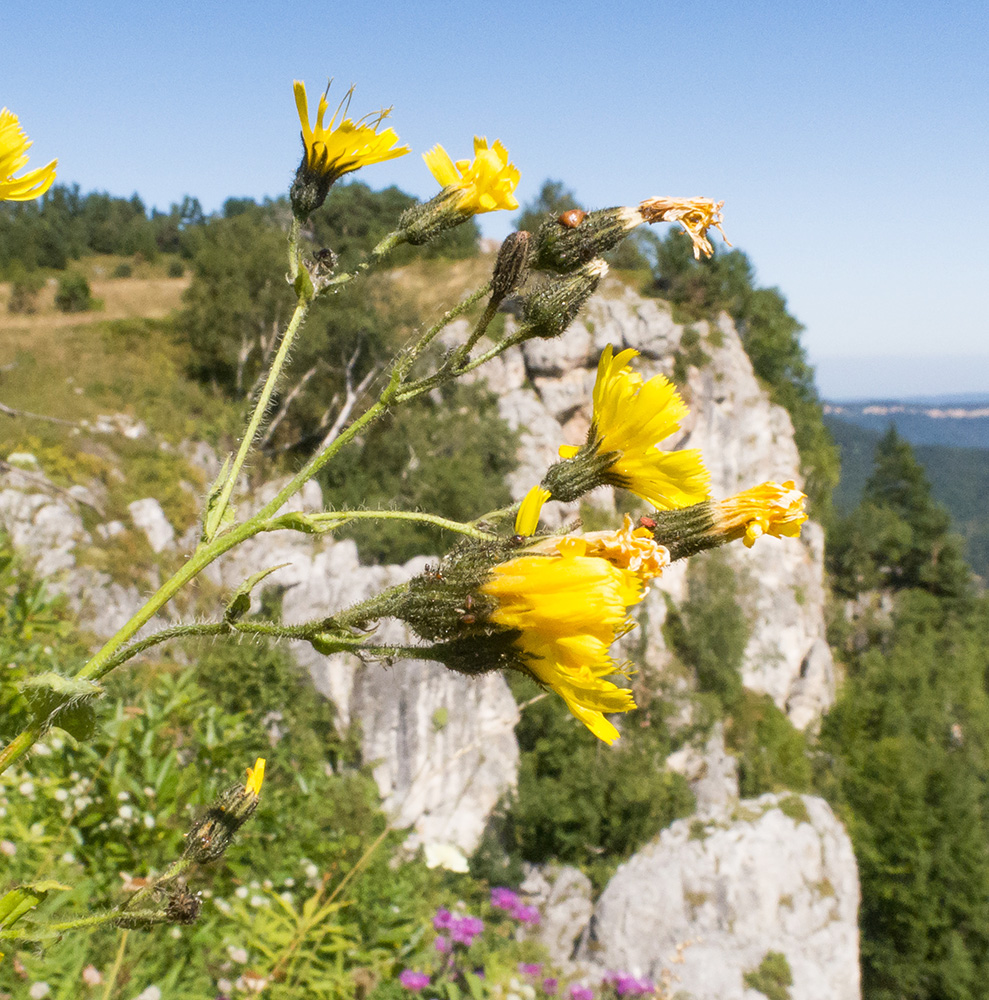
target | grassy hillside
[{"x": 959, "y": 479}]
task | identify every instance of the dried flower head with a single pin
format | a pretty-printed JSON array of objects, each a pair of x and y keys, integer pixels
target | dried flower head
[{"x": 696, "y": 215}]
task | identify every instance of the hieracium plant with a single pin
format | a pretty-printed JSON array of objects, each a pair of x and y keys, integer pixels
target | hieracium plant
[{"x": 508, "y": 595}]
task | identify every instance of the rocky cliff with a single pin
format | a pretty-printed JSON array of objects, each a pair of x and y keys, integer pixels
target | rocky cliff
[{"x": 443, "y": 745}]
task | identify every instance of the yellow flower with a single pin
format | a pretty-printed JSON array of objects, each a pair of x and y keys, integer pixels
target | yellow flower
[
  {"x": 485, "y": 185},
  {"x": 14, "y": 145},
  {"x": 255, "y": 776},
  {"x": 769, "y": 509},
  {"x": 696, "y": 215},
  {"x": 631, "y": 417},
  {"x": 568, "y": 599},
  {"x": 343, "y": 145},
  {"x": 527, "y": 519}
]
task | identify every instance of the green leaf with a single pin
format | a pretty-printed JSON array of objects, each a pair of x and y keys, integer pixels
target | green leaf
[
  {"x": 240, "y": 604},
  {"x": 17, "y": 902},
  {"x": 475, "y": 985}
]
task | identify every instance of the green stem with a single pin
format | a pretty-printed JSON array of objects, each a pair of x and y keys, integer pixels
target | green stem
[
  {"x": 336, "y": 519},
  {"x": 19, "y": 746},
  {"x": 260, "y": 408},
  {"x": 111, "y": 980}
]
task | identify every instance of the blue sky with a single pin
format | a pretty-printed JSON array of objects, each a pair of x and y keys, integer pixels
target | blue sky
[{"x": 849, "y": 140}]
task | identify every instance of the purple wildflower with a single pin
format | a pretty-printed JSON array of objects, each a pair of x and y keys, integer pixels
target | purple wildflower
[
  {"x": 443, "y": 920},
  {"x": 581, "y": 993},
  {"x": 526, "y": 914},
  {"x": 412, "y": 980},
  {"x": 530, "y": 968},
  {"x": 441, "y": 944},
  {"x": 504, "y": 899},
  {"x": 463, "y": 930},
  {"x": 550, "y": 986}
]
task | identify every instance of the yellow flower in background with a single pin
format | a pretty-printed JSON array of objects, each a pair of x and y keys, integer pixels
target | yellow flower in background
[
  {"x": 696, "y": 215},
  {"x": 631, "y": 417},
  {"x": 769, "y": 509},
  {"x": 14, "y": 145},
  {"x": 255, "y": 777},
  {"x": 568, "y": 600},
  {"x": 485, "y": 184},
  {"x": 343, "y": 145}
]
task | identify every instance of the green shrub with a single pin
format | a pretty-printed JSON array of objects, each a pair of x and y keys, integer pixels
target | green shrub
[
  {"x": 710, "y": 632},
  {"x": 123, "y": 270},
  {"x": 24, "y": 288},
  {"x": 175, "y": 269},
  {"x": 579, "y": 801},
  {"x": 73, "y": 293}
]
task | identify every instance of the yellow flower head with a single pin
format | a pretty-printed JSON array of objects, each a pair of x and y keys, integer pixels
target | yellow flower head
[
  {"x": 769, "y": 509},
  {"x": 696, "y": 215},
  {"x": 14, "y": 145},
  {"x": 568, "y": 600},
  {"x": 343, "y": 145},
  {"x": 255, "y": 777},
  {"x": 484, "y": 184},
  {"x": 631, "y": 417}
]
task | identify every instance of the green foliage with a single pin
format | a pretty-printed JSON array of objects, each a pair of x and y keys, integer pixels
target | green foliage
[
  {"x": 24, "y": 288},
  {"x": 898, "y": 537},
  {"x": 65, "y": 225},
  {"x": 446, "y": 455},
  {"x": 772, "y": 755},
  {"x": 773, "y": 978},
  {"x": 580, "y": 801},
  {"x": 904, "y": 757},
  {"x": 73, "y": 293},
  {"x": 771, "y": 336},
  {"x": 709, "y": 633},
  {"x": 354, "y": 219},
  {"x": 959, "y": 479}
]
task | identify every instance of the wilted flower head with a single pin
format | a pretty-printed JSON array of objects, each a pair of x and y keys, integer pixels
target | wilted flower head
[
  {"x": 483, "y": 184},
  {"x": 769, "y": 509},
  {"x": 14, "y": 145},
  {"x": 334, "y": 149},
  {"x": 696, "y": 215},
  {"x": 567, "y": 598},
  {"x": 212, "y": 835}
]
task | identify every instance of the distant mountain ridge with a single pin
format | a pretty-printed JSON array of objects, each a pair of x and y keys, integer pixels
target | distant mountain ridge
[{"x": 960, "y": 421}]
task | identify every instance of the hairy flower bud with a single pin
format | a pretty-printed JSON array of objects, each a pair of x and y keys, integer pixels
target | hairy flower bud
[
  {"x": 570, "y": 241},
  {"x": 211, "y": 835},
  {"x": 549, "y": 310},
  {"x": 512, "y": 266}
]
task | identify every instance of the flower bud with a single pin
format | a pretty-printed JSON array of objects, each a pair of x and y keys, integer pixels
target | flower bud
[
  {"x": 567, "y": 243},
  {"x": 512, "y": 266},
  {"x": 552, "y": 308},
  {"x": 211, "y": 835}
]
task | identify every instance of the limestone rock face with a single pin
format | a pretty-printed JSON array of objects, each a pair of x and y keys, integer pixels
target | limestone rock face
[
  {"x": 46, "y": 528},
  {"x": 442, "y": 744},
  {"x": 544, "y": 392},
  {"x": 563, "y": 896},
  {"x": 779, "y": 875}
]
